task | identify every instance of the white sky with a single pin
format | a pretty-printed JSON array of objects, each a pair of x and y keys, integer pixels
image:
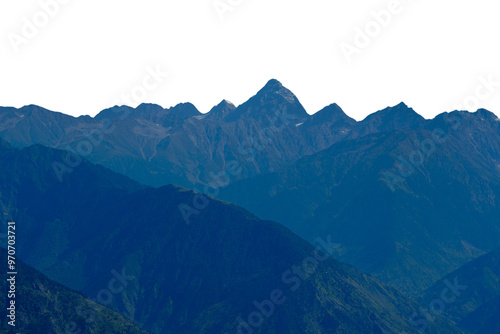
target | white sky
[{"x": 431, "y": 55}]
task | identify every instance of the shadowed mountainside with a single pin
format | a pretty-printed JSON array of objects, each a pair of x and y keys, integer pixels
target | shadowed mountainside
[
  {"x": 44, "y": 306},
  {"x": 180, "y": 278},
  {"x": 407, "y": 223}
]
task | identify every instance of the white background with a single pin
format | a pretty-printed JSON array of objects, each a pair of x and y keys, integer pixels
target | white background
[{"x": 431, "y": 54}]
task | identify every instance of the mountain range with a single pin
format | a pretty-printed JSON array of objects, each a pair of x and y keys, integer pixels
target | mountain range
[
  {"x": 179, "y": 145},
  {"x": 128, "y": 247},
  {"x": 477, "y": 303},
  {"x": 407, "y": 205},
  {"x": 409, "y": 202},
  {"x": 44, "y": 306}
]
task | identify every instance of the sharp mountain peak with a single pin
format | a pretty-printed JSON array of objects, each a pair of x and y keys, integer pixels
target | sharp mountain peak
[
  {"x": 399, "y": 111},
  {"x": 273, "y": 86},
  {"x": 221, "y": 110},
  {"x": 272, "y": 96}
]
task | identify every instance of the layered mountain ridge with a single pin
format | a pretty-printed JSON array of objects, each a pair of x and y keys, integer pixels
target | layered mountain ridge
[
  {"x": 475, "y": 304},
  {"x": 158, "y": 146},
  {"x": 129, "y": 247},
  {"x": 44, "y": 306},
  {"x": 409, "y": 200}
]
